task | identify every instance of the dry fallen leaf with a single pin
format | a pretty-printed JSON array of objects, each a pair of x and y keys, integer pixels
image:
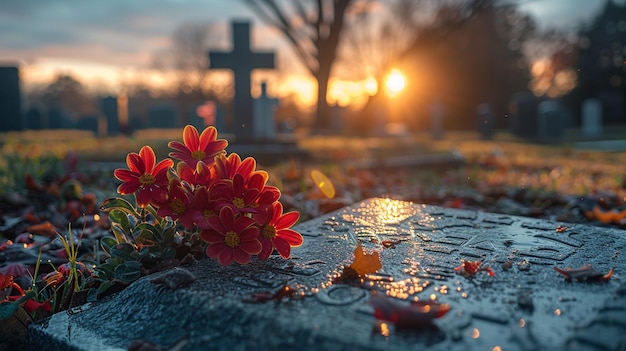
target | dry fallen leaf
[
  {"x": 363, "y": 264},
  {"x": 415, "y": 314},
  {"x": 585, "y": 273}
]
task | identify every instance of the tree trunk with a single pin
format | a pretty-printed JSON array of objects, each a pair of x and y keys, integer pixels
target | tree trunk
[{"x": 323, "y": 120}]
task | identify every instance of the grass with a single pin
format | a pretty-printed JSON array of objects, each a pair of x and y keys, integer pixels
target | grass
[{"x": 502, "y": 163}]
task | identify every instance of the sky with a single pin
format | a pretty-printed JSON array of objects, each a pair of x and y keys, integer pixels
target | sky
[{"x": 103, "y": 42}]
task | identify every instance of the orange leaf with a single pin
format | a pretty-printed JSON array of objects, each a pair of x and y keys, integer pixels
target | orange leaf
[{"x": 365, "y": 263}]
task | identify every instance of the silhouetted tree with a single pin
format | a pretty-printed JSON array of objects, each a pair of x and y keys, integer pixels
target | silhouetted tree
[
  {"x": 600, "y": 62},
  {"x": 67, "y": 93},
  {"x": 313, "y": 28},
  {"x": 460, "y": 53}
]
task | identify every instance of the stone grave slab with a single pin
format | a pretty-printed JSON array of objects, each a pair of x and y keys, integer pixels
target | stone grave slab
[{"x": 526, "y": 305}]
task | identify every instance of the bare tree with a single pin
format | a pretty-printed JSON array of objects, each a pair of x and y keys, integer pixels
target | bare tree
[
  {"x": 188, "y": 58},
  {"x": 313, "y": 28}
]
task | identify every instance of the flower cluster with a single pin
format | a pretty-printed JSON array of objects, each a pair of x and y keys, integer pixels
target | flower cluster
[{"x": 222, "y": 196}]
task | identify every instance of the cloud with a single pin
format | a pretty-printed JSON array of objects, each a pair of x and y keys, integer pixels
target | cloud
[{"x": 129, "y": 29}]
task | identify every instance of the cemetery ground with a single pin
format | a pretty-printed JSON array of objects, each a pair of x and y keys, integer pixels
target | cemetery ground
[{"x": 71, "y": 175}]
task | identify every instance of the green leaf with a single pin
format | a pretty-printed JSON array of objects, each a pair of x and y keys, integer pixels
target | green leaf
[
  {"x": 120, "y": 217},
  {"x": 125, "y": 251},
  {"x": 128, "y": 272},
  {"x": 120, "y": 204},
  {"x": 107, "y": 243},
  {"x": 120, "y": 235},
  {"x": 144, "y": 237}
]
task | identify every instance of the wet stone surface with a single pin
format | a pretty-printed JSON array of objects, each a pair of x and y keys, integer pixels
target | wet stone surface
[{"x": 525, "y": 305}]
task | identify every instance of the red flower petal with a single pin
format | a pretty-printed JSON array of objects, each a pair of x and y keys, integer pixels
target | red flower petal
[
  {"x": 225, "y": 257},
  {"x": 125, "y": 175},
  {"x": 144, "y": 197},
  {"x": 211, "y": 236},
  {"x": 266, "y": 249},
  {"x": 242, "y": 223},
  {"x": 251, "y": 247},
  {"x": 135, "y": 163},
  {"x": 241, "y": 257},
  {"x": 162, "y": 166},
  {"x": 214, "y": 250},
  {"x": 227, "y": 217},
  {"x": 190, "y": 137},
  {"x": 287, "y": 220},
  {"x": 282, "y": 247},
  {"x": 291, "y": 236},
  {"x": 149, "y": 159},
  {"x": 208, "y": 135},
  {"x": 129, "y": 187},
  {"x": 247, "y": 167}
]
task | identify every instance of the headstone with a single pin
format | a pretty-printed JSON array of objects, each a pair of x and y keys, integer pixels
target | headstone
[
  {"x": 35, "y": 119},
  {"x": 486, "y": 121},
  {"x": 613, "y": 109},
  {"x": 592, "y": 118},
  {"x": 524, "y": 115},
  {"x": 162, "y": 115},
  {"x": 89, "y": 123},
  {"x": 241, "y": 60},
  {"x": 59, "y": 119},
  {"x": 437, "y": 113},
  {"x": 551, "y": 121},
  {"x": 109, "y": 108},
  {"x": 10, "y": 100},
  {"x": 525, "y": 305},
  {"x": 264, "y": 115}
]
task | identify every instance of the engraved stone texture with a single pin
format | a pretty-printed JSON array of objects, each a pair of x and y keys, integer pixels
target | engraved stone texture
[{"x": 526, "y": 305}]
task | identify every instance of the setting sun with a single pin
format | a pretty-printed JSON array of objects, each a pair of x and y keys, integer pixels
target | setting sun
[{"x": 395, "y": 82}]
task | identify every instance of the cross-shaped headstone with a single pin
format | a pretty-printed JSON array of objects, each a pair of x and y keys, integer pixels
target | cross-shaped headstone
[{"x": 241, "y": 60}]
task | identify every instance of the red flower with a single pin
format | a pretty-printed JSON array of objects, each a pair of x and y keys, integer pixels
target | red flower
[
  {"x": 147, "y": 181},
  {"x": 205, "y": 207},
  {"x": 198, "y": 148},
  {"x": 178, "y": 204},
  {"x": 231, "y": 238},
  {"x": 201, "y": 175},
  {"x": 227, "y": 167},
  {"x": 238, "y": 194},
  {"x": 275, "y": 232}
]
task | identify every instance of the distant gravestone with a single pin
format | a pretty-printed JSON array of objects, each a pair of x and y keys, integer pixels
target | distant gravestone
[
  {"x": 486, "y": 121},
  {"x": 35, "y": 119},
  {"x": 88, "y": 123},
  {"x": 613, "y": 109},
  {"x": 513, "y": 300},
  {"x": 162, "y": 116},
  {"x": 437, "y": 113},
  {"x": 241, "y": 60},
  {"x": 109, "y": 108},
  {"x": 264, "y": 115},
  {"x": 524, "y": 115},
  {"x": 59, "y": 119},
  {"x": 551, "y": 121},
  {"x": 592, "y": 118},
  {"x": 10, "y": 100}
]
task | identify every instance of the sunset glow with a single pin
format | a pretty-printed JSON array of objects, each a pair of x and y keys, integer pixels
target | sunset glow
[
  {"x": 109, "y": 79},
  {"x": 395, "y": 82}
]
